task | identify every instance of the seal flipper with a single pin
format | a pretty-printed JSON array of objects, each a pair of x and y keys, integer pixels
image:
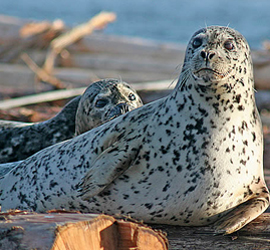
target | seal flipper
[
  {"x": 243, "y": 213},
  {"x": 110, "y": 164}
]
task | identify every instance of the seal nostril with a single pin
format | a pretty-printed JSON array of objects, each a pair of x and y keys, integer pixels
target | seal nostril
[
  {"x": 123, "y": 107},
  {"x": 207, "y": 55},
  {"x": 203, "y": 54},
  {"x": 211, "y": 55}
]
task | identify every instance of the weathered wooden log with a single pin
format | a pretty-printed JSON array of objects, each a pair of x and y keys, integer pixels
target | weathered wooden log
[
  {"x": 42, "y": 74},
  {"x": 60, "y": 231},
  {"x": 35, "y": 28},
  {"x": 119, "y": 62},
  {"x": 89, "y": 231},
  {"x": 128, "y": 46},
  {"x": 64, "y": 40},
  {"x": 10, "y": 27},
  {"x": 108, "y": 47},
  {"x": 22, "y": 78},
  {"x": 32, "y": 35},
  {"x": 41, "y": 98},
  {"x": 255, "y": 235}
]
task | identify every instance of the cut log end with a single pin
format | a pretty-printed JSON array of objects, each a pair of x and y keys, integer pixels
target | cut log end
[{"x": 105, "y": 232}]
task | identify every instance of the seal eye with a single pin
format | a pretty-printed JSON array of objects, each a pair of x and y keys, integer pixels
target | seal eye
[
  {"x": 228, "y": 45},
  {"x": 131, "y": 97},
  {"x": 197, "y": 42},
  {"x": 101, "y": 103}
]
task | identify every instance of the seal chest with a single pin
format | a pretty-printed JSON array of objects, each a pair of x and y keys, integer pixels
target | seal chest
[{"x": 192, "y": 158}]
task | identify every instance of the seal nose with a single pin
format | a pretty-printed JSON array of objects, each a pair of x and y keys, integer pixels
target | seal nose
[
  {"x": 119, "y": 109},
  {"x": 207, "y": 55}
]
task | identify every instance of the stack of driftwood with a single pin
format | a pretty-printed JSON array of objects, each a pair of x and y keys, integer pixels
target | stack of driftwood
[
  {"x": 43, "y": 62},
  {"x": 70, "y": 58}
]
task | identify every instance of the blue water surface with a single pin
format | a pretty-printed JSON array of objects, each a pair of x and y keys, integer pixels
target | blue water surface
[{"x": 163, "y": 20}]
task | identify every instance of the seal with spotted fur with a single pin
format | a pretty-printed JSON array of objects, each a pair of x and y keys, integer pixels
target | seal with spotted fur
[
  {"x": 192, "y": 158},
  {"x": 102, "y": 101}
]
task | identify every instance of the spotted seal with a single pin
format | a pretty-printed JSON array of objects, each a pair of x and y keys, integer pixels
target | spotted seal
[
  {"x": 102, "y": 101},
  {"x": 192, "y": 158}
]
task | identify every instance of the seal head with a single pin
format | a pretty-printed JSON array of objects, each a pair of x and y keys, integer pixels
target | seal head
[
  {"x": 214, "y": 62},
  {"x": 114, "y": 98}
]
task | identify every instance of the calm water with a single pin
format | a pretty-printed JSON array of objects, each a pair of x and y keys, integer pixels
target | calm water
[{"x": 164, "y": 20}]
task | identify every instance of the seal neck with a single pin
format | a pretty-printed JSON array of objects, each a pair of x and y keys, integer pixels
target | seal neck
[{"x": 221, "y": 98}]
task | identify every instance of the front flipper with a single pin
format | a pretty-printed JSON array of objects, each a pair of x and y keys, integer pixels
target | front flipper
[
  {"x": 243, "y": 214},
  {"x": 110, "y": 164}
]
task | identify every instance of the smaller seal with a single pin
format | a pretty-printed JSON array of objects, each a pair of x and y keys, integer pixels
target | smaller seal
[
  {"x": 102, "y": 101},
  {"x": 20, "y": 140}
]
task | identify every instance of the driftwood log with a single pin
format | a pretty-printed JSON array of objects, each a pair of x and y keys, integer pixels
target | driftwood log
[
  {"x": 60, "y": 43},
  {"x": 160, "y": 86},
  {"x": 73, "y": 231},
  {"x": 255, "y": 235}
]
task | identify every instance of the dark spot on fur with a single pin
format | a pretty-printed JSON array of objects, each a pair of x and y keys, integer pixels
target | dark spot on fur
[
  {"x": 238, "y": 98},
  {"x": 148, "y": 205},
  {"x": 168, "y": 132},
  {"x": 160, "y": 168},
  {"x": 254, "y": 136},
  {"x": 241, "y": 108},
  {"x": 166, "y": 187},
  {"x": 192, "y": 188},
  {"x": 179, "y": 168}
]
